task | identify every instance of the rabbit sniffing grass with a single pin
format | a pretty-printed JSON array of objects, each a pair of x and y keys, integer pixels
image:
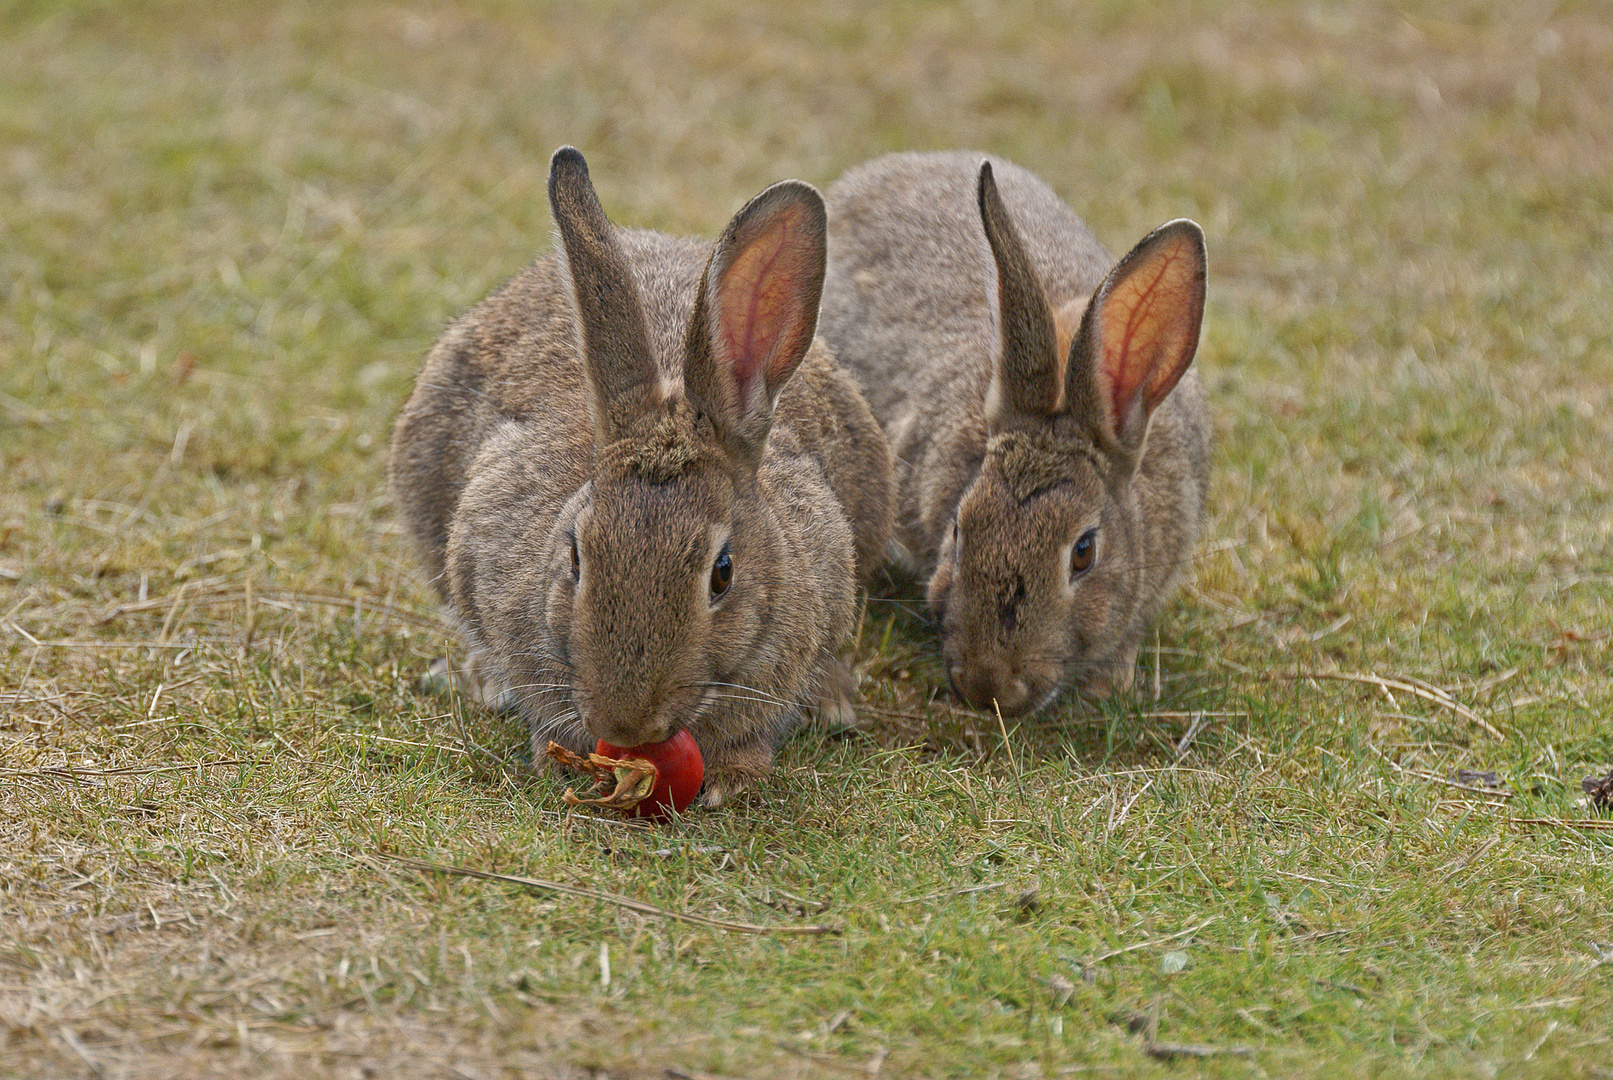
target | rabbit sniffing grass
[
  {"x": 644, "y": 488},
  {"x": 1051, "y": 436}
]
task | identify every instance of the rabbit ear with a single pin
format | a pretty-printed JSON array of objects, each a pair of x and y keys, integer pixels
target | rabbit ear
[
  {"x": 1028, "y": 385},
  {"x": 756, "y": 313},
  {"x": 1139, "y": 333},
  {"x": 615, "y": 344}
]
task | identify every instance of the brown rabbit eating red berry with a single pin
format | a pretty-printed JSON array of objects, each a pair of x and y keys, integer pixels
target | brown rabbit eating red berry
[
  {"x": 645, "y": 490},
  {"x": 1051, "y": 437}
]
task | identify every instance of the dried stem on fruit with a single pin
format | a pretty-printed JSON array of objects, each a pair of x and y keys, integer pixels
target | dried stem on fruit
[{"x": 623, "y": 783}]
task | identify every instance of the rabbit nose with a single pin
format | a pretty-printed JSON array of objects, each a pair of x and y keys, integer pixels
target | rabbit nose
[
  {"x": 988, "y": 685},
  {"x": 632, "y": 732},
  {"x": 634, "y": 725}
]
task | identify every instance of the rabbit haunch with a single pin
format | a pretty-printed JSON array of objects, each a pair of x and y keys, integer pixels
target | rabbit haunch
[
  {"x": 1051, "y": 436},
  {"x": 644, "y": 489}
]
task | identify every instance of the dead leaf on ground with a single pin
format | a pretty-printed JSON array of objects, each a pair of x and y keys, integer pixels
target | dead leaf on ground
[{"x": 1598, "y": 791}]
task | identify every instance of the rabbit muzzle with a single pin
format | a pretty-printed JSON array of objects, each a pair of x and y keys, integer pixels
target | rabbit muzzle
[
  {"x": 635, "y": 728},
  {"x": 993, "y": 684},
  {"x": 631, "y": 707}
]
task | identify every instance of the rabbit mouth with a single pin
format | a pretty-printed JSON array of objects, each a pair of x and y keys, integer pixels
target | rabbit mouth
[
  {"x": 997, "y": 688},
  {"x": 658, "y": 725}
]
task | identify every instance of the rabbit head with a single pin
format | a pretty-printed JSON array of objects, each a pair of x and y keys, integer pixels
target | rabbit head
[{"x": 659, "y": 550}]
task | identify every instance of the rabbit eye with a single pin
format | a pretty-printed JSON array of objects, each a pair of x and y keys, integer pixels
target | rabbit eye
[
  {"x": 722, "y": 573},
  {"x": 1082, "y": 554},
  {"x": 576, "y": 561}
]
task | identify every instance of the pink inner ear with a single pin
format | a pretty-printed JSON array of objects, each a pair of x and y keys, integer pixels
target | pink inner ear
[
  {"x": 1148, "y": 329},
  {"x": 761, "y": 312}
]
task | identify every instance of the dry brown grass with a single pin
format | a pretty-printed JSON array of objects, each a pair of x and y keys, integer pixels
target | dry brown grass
[{"x": 228, "y": 237}]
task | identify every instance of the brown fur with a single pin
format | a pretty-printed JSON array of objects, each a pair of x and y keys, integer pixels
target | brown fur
[
  {"x": 643, "y": 401},
  {"x": 1023, "y": 413}
]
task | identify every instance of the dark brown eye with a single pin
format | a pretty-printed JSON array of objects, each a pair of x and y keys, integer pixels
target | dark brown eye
[
  {"x": 1083, "y": 553},
  {"x": 722, "y": 573},
  {"x": 576, "y": 561}
]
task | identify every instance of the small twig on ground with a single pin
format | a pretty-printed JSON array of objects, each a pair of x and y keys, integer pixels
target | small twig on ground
[
  {"x": 67, "y": 772},
  {"x": 953, "y": 892},
  {"x": 610, "y": 898},
  {"x": 1112, "y": 953},
  {"x": 1164, "y": 1051},
  {"x": 1189, "y": 715},
  {"x": 790, "y": 904},
  {"x": 1406, "y": 685},
  {"x": 1159, "y": 690},
  {"x": 223, "y": 592},
  {"x": 1315, "y": 935},
  {"x": 1497, "y": 793},
  {"x": 677, "y": 1072},
  {"x": 1125, "y": 812},
  {"x": 1186, "y": 742},
  {"x": 874, "y": 1066},
  {"x": 1349, "y": 988},
  {"x": 1551, "y": 1027},
  {"x": 1325, "y": 881},
  {"x": 68, "y": 644},
  {"x": 71, "y": 1040},
  {"x": 1490, "y": 682},
  {"x": 1007, "y": 745},
  {"x": 1468, "y": 860},
  {"x": 1591, "y": 824}
]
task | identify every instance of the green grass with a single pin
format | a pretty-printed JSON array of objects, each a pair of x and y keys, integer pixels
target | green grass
[{"x": 228, "y": 235}]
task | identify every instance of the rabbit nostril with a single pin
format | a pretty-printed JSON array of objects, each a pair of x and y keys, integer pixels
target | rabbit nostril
[
  {"x": 1012, "y": 697},
  {"x": 992, "y": 688}
]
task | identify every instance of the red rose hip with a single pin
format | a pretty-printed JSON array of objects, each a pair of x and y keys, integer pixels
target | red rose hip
[{"x": 679, "y": 770}]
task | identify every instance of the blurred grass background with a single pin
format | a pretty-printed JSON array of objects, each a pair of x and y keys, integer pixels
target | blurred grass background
[{"x": 230, "y": 232}]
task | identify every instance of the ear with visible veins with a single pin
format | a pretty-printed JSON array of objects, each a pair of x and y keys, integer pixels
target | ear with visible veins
[
  {"x": 615, "y": 344},
  {"x": 1141, "y": 331},
  {"x": 1028, "y": 385},
  {"x": 757, "y": 312}
]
